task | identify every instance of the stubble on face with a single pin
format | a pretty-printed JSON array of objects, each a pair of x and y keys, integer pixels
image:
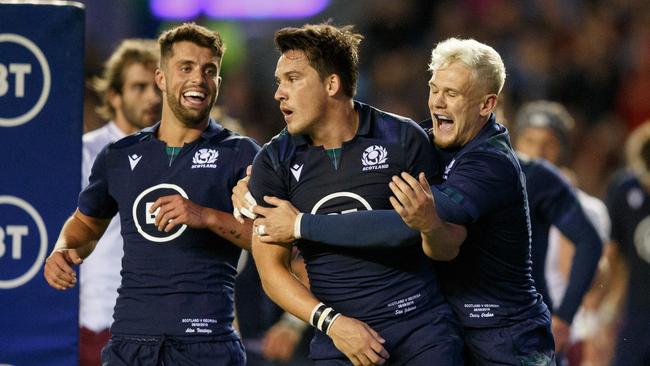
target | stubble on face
[
  {"x": 301, "y": 92},
  {"x": 200, "y": 59},
  {"x": 455, "y": 114}
]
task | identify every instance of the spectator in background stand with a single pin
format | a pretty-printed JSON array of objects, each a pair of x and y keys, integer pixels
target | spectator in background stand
[{"x": 130, "y": 101}]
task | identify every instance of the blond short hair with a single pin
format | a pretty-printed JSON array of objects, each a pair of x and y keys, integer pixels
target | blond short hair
[{"x": 484, "y": 61}]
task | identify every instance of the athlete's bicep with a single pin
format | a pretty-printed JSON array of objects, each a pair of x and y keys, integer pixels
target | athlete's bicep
[
  {"x": 280, "y": 284},
  {"x": 270, "y": 257},
  {"x": 266, "y": 179},
  {"x": 81, "y": 231}
]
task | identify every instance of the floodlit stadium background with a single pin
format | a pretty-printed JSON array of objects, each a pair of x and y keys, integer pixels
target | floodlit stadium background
[{"x": 592, "y": 55}]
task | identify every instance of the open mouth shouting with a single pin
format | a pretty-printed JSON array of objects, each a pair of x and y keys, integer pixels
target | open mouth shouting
[{"x": 444, "y": 123}]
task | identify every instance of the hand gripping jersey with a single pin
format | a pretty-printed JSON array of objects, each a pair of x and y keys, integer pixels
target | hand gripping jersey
[
  {"x": 178, "y": 283},
  {"x": 379, "y": 287}
]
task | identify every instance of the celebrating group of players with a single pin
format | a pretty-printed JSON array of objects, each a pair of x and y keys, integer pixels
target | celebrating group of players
[{"x": 416, "y": 238}]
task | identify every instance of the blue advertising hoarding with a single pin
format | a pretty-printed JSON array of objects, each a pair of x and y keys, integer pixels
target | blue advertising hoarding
[{"x": 41, "y": 113}]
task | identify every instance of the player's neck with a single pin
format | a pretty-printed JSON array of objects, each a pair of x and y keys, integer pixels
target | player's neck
[
  {"x": 339, "y": 124},
  {"x": 125, "y": 126},
  {"x": 175, "y": 133}
]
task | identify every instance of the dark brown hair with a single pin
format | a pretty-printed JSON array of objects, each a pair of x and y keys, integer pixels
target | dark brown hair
[
  {"x": 194, "y": 33},
  {"x": 329, "y": 49}
]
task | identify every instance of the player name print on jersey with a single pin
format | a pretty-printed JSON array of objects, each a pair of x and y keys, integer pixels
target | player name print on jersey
[{"x": 145, "y": 221}]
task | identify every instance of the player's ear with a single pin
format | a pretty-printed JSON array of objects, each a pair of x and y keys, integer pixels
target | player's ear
[
  {"x": 489, "y": 104},
  {"x": 114, "y": 98},
  {"x": 333, "y": 84},
  {"x": 160, "y": 80}
]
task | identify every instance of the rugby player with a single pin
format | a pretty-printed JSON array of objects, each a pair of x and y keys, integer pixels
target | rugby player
[
  {"x": 337, "y": 155},
  {"x": 170, "y": 184}
]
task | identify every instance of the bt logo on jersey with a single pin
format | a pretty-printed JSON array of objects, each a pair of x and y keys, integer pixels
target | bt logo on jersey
[
  {"x": 24, "y": 80},
  {"x": 145, "y": 221},
  {"x": 340, "y": 203}
]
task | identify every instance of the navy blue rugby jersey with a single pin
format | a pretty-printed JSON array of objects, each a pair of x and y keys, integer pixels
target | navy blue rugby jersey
[
  {"x": 489, "y": 283},
  {"x": 178, "y": 283},
  {"x": 628, "y": 203},
  {"x": 374, "y": 286},
  {"x": 553, "y": 201}
]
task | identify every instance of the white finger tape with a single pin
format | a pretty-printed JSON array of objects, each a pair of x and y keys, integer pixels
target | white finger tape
[{"x": 260, "y": 230}]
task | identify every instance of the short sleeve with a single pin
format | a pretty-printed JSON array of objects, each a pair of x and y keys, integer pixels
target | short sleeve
[
  {"x": 95, "y": 200},
  {"x": 266, "y": 178},
  {"x": 246, "y": 153},
  {"x": 478, "y": 183}
]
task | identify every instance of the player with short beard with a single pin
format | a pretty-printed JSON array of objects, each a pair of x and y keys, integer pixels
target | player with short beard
[{"x": 171, "y": 185}]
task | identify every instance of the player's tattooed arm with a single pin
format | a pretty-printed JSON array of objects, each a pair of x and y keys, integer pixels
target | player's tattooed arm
[{"x": 177, "y": 210}]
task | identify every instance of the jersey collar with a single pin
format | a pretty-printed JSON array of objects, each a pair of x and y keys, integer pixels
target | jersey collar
[
  {"x": 365, "y": 117},
  {"x": 212, "y": 130}
]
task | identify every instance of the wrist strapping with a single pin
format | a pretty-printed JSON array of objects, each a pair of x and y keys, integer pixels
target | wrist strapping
[
  {"x": 296, "y": 227},
  {"x": 322, "y": 317}
]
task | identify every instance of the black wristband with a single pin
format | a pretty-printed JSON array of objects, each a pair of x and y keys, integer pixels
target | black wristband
[
  {"x": 317, "y": 314},
  {"x": 328, "y": 321}
]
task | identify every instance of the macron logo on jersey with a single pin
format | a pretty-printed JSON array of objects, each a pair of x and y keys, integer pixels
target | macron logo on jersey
[
  {"x": 134, "y": 160},
  {"x": 448, "y": 169},
  {"x": 205, "y": 158},
  {"x": 374, "y": 158},
  {"x": 296, "y": 170}
]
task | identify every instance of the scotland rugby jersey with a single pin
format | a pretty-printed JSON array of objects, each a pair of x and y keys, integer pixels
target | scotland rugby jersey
[
  {"x": 489, "y": 283},
  {"x": 628, "y": 203},
  {"x": 178, "y": 283},
  {"x": 553, "y": 201},
  {"x": 374, "y": 286}
]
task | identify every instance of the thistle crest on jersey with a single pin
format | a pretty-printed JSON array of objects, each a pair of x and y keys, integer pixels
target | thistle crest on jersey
[
  {"x": 374, "y": 158},
  {"x": 205, "y": 158}
]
